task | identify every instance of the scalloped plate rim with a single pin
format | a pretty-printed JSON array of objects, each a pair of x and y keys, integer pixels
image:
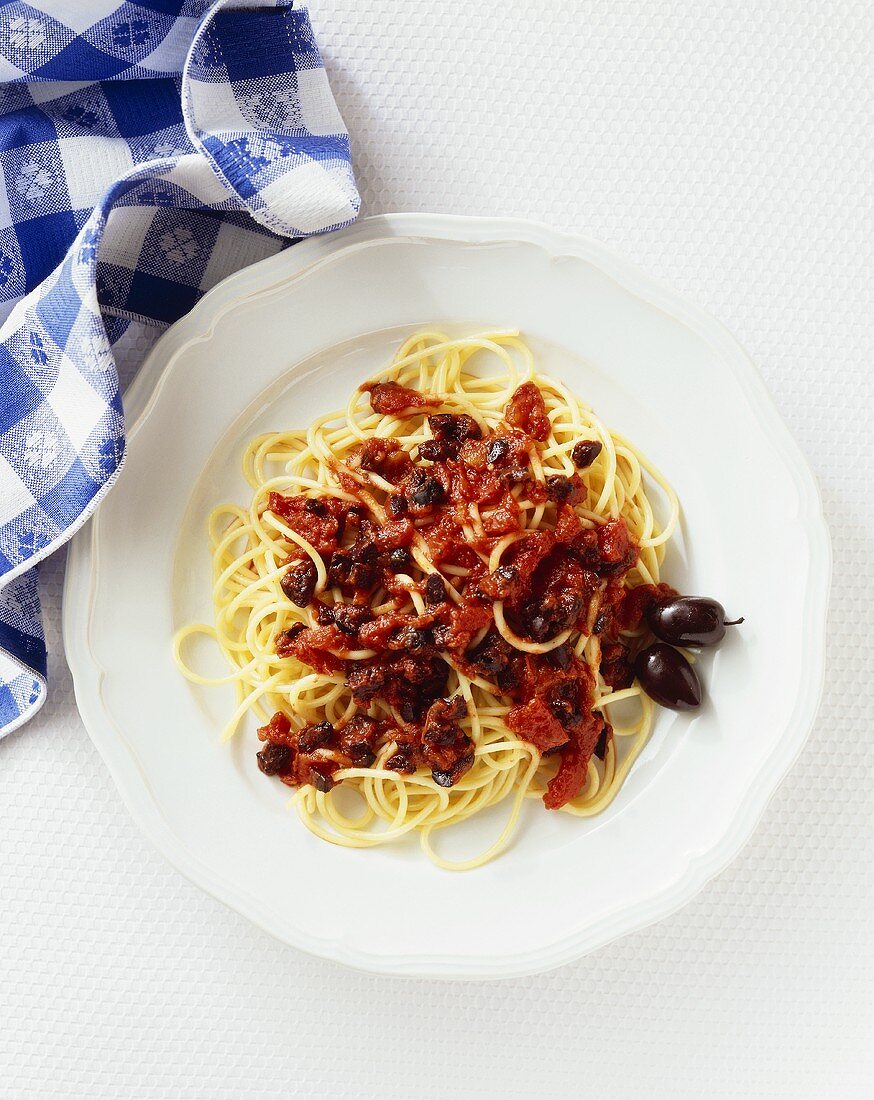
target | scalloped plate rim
[{"x": 701, "y": 867}]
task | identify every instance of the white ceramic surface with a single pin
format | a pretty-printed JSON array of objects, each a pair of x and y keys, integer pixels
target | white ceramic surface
[{"x": 285, "y": 340}]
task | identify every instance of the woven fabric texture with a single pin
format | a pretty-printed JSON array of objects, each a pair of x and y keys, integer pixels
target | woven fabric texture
[{"x": 128, "y": 194}]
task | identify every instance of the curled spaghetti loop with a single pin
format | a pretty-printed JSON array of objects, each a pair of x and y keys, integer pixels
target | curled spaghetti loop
[{"x": 476, "y": 375}]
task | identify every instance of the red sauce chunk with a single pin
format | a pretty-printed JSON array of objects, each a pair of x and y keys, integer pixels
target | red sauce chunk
[
  {"x": 362, "y": 626},
  {"x": 535, "y": 722},
  {"x": 527, "y": 410},
  {"x": 613, "y": 541},
  {"x": 312, "y": 646},
  {"x": 391, "y": 399},
  {"x": 573, "y": 770},
  {"x": 321, "y": 521},
  {"x": 385, "y": 457}
]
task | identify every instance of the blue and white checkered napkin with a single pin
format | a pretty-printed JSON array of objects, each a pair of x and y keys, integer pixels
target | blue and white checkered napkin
[{"x": 194, "y": 138}]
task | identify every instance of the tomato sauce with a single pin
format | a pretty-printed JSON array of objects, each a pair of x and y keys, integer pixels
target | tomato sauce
[
  {"x": 546, "y": 582},
  {"x": 390, "y": 399}
]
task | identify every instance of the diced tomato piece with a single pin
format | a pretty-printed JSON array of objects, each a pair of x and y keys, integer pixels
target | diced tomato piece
[
  {"x": 568, "y": 781},
  {"x": 385, "y": 457},
  {"x": 391, "y": 399},
  {"x": 319, "y": 521},
  {"x": 613, "y": 540},
  {"x": 568, "y": 526},
  {"x": 616, "y": 666},
  {"x": 571, "y": 775},
  {"x": 527, "y": 410},
  {"x": 276, "y": 730},
  {"x": 535, "y": 723},
  {"x": 526, "y": 554},
  {"x": 395, "y": 534},
  {"x": 503, "y": 519},
  {"x": 311, "y": 645},
  {"x": 462, "y": 622}
]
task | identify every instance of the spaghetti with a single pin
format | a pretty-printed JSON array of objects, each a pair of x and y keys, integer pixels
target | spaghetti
[{"x": 435, "y": 596}]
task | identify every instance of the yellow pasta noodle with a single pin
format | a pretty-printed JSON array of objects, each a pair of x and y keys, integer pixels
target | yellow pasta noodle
[{"x": 250, "y": 548}]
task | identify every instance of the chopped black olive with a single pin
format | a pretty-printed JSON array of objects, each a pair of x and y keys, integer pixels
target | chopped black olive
[
  {"x": 340, "y": 568},
  {"x": 299, "y": 582},
  {"x": 431, "y": 450},
  {"x": 503, "y": 579},
  {"x": 363, "y": 576},
  {"x": 435, "y": 589},
  {"x": 497, "y": 452},
  {"x": 564, "y": 702},
  {"x": 274, "y": 759},
  {"x": 507, "y": 680},
  {"x": 315, "y": 737},
  {"x": 401, "y": 762},
  {"x": 322, "y": 781},
  {"x": 455, "y": 427},
  {"x": 490, "y": 656},
  {"x": 585, "y": 452},
  {"x": 558, "y": 487},
  {"x": 362, "y": 756},
  {"x": 560, "y": 656},
  {"x": 399, "y": 559},
  {"x": 412, "y": 639},
  {"x": 429, "y": 492},
  {"x": 538, "y": 627},
  {"x": 350, "y": 617},
  {"x": 551, "y": 616},
  {"x": 289, "y": 635}
]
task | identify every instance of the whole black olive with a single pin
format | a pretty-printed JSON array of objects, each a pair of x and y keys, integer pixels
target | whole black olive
[
  {"x": 667, "y": 677},
  {"x": 689, "y": 620}
]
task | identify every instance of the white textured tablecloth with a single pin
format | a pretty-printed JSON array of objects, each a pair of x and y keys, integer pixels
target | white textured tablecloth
[{"x": 724, "y": 148}]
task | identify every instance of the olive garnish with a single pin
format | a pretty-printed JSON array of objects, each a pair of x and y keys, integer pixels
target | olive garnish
[
  {"x": 689, "y": 621},
  {"x": 664, "y": 673},
  {"x": 667, "y": 677}
]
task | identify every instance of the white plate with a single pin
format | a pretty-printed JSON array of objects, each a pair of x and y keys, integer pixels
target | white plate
[{"x": 285, "y": 340}]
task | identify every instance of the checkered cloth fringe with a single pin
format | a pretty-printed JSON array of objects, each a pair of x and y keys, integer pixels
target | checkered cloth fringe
[{"x": 195, "y": 138}]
